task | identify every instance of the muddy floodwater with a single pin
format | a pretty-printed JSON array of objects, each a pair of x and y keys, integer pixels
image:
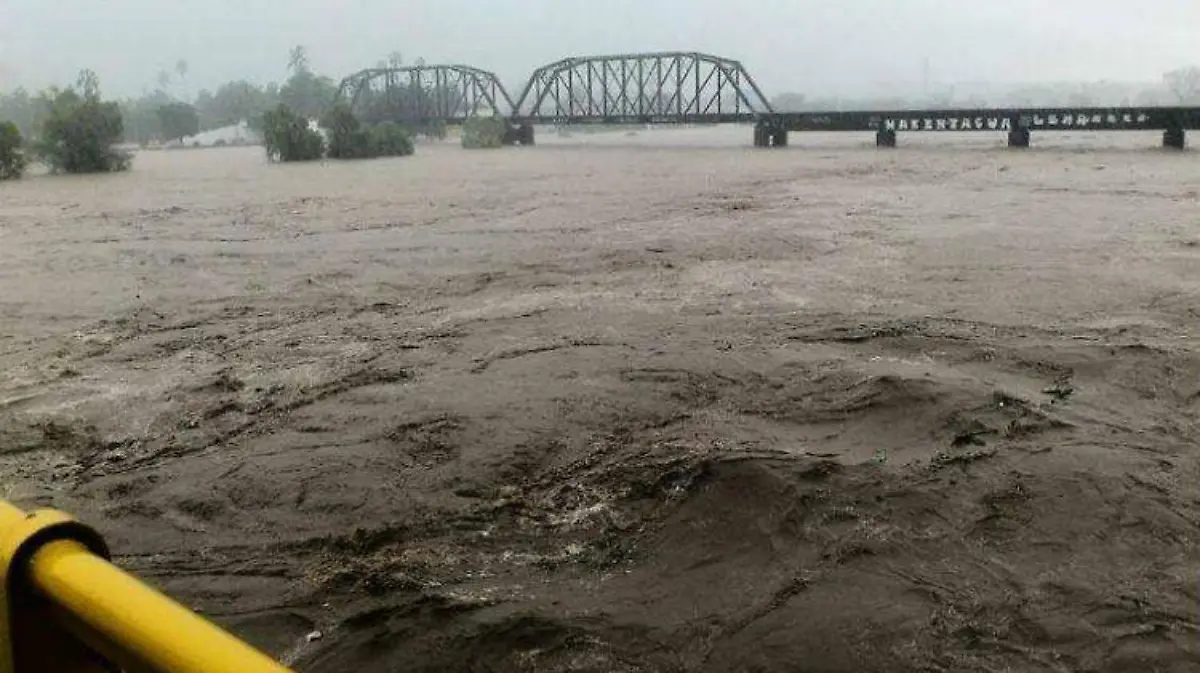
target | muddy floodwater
[{"x": 657, "y": 402}]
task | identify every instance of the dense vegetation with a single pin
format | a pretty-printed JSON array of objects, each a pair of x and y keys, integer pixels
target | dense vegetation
[
  {"x": 164, "y": 112},
  {"x": 288, "y": 136},
  {"x": 350, "y": 139},
  {"x": 484, "y": 132},
  {"x": 390, "y": 139},
  {"x": 12, "y": 152},
  {"x": 75, "y": 131},
  {"x": 178, "y": 121},
  {"x": 80, "y": 130},
  {"x": 167, "y": 113}
]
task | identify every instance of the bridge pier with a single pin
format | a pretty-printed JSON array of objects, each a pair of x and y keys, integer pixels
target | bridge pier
[
  {"x": 885, "y": 138},
  {"x": 767, "y": 134},
  {"x": 519, "y": 134},
  {"x": 1018, "y": 136},
  {"x": 1175, "y": 138}
]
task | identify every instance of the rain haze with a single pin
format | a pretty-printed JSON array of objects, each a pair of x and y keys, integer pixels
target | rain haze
[
  {"x": 874, "y": 350},
  {"x": 853, "y": 47}
]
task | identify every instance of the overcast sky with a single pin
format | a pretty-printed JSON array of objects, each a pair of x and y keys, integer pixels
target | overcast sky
[{"x": 811, "y": 46}]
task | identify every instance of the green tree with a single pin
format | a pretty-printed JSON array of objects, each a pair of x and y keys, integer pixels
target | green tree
[
  {"x": 178, "y": 120},
  {"x": 81, "y": 130},
  {"x": 389, "y": 139},
  {"x": 307, "y": 93},
  {"x": 12, "y": 152},
  {"x": 288, "y": 137},
  {"x": 347, "y": 138},
  {"x": 484, "y": 132}
]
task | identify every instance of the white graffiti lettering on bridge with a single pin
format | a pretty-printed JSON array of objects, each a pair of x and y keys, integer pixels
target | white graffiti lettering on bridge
[{"x": 1077, "y": 120}]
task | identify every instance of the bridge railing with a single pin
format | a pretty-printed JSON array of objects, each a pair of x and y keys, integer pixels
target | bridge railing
[{"x": 65, "y": 609}]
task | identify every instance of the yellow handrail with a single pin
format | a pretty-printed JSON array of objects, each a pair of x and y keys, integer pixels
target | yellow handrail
[{"x": 53, "y": 566}]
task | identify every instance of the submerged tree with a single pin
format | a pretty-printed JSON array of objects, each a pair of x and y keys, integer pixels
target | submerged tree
[
  {"x": 178, "y": 120},
  {"x": 12, "y": 152},
  {"x": 80, "y": 130},
  {"x": 390, "y": 139},
  {"x": 288, "y": 137},
  {"x": 349, "y": 139},
  {"x": 484, "y": 132}
]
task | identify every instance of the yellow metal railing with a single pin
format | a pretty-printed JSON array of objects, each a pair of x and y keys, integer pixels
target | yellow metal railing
[{"x": 64, "y": 608}]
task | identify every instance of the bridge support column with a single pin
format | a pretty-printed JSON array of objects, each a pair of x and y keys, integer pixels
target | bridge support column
[
  {"x": 767, "y": 134},
  {"x": 885, "y": 138},
  {"x": 524, "y": 135},
  {"x": 519, "y": 134},
  {"x": 1018, "y": 136},
  {"x": 1175, "y": 138}
]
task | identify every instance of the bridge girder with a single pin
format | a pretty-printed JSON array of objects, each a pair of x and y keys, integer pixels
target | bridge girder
[
  {"x": 424, "y": 94},
  {"x": 655, "y": 87}
]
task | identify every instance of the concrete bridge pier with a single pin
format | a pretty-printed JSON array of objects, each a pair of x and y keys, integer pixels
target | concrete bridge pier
[
  {"x": 1175, "y": 138},
  {"x": 1019, "y": 135},
  {"x": 520, "y": 134},
  {"x": 769, "y": 134},
  {"x": 885, "y": 138}
]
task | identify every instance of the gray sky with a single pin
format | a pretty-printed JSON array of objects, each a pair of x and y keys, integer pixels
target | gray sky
[{"x": 812, "y": 46}]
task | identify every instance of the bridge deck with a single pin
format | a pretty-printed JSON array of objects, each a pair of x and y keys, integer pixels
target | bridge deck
[
  {"x": 954, "y": 119},
  {"x": 965, "y": 119}
]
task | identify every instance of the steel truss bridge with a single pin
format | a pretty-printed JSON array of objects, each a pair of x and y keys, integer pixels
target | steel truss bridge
[
  {"x": 424, "y": 94},
  {"x": 693, "y": 88}
]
